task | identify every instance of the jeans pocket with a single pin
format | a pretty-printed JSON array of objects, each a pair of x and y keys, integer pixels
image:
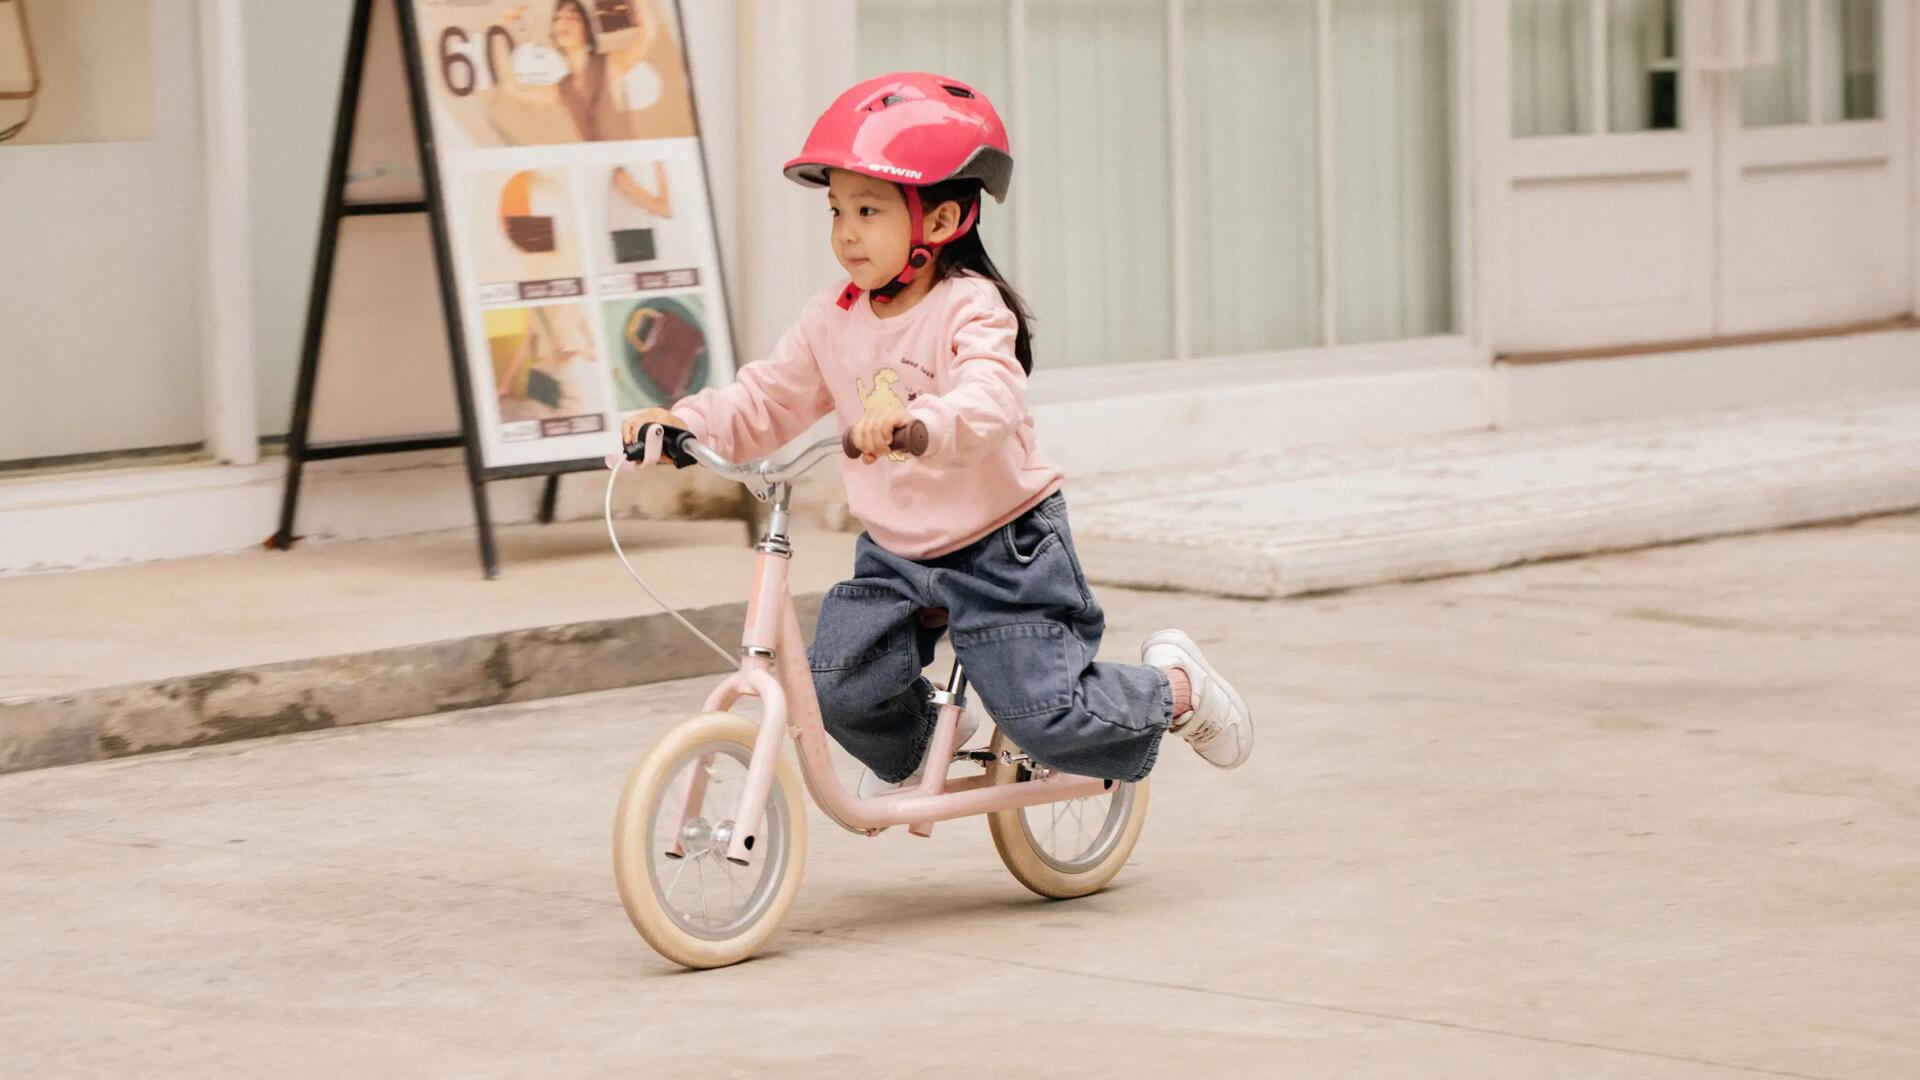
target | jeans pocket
[
  {"x": 1029, "y": 536},
  {"x": 1021, "y": 669}
]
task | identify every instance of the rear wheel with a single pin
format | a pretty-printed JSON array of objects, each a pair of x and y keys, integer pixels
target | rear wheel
[
  {"x": 670, "y": 839},
  {"x": 1071, "y": 848}
]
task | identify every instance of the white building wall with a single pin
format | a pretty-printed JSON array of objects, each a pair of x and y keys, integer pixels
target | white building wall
[{"x": 762, "y": 69}]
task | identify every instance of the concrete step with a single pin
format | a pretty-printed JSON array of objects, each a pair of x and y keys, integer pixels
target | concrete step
[
  {"x": 1313, "y": 520},
  {"x": 164, "y": 655}
]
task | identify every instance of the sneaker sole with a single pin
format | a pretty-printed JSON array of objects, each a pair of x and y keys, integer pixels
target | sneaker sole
[{"x": 1181, "y": 640}]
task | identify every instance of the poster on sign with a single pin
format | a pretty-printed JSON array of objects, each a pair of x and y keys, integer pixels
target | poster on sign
[
  {"x": 569, "y": 161},
  {"x": 517, "y": 209}
]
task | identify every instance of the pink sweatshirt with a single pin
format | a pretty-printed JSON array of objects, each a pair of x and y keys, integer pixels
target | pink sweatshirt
[{"x": 949, "y": 362}]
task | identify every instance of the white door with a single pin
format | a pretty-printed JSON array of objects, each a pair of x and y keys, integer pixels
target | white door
[
  {"x": 101, "y": 237},
  {"x": 1672, "y": 170},
  {"x": 1813, "y": 165},
  {"x": 1601, "y": 224}
]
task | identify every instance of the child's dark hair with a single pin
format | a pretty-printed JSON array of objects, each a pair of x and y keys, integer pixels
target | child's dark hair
[{"x": 968, "y": 255}]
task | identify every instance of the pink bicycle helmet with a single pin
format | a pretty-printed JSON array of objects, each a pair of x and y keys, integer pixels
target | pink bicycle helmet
[{"x": 913, "y": 129}]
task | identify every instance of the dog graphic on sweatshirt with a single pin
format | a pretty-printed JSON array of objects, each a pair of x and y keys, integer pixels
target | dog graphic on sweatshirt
[{"x": 881, "y": 397}]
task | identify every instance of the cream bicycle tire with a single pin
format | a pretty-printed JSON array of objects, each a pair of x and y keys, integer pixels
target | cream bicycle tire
[
  {"x": 782, "y": 841},
  {"x": 1046, "y": 873}
]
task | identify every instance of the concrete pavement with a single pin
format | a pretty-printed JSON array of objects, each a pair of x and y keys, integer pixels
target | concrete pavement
[{"x": 1646, "y": 815}]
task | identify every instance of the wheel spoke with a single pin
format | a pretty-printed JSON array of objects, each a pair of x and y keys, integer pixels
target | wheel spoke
[
  {"x": 1093, "y": 833},
  {"x": 705, "y": 916},
  {"x": 685, "y": 861}
]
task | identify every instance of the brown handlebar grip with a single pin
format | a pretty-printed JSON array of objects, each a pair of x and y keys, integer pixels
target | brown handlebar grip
[{"x": 911, "y": 439}]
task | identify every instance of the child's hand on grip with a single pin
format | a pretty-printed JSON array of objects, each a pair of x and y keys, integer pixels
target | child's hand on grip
[
  {"x": 630, "y": 427},
  {"x": 873, "y": 435}
]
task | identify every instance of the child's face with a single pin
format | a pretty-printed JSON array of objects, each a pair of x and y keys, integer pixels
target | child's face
[{"x": 871, "y": 228}]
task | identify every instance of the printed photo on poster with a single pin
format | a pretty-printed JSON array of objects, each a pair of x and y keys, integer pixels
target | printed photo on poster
[
  {"x": 547, "y": 372},
  {"x": 563, "y": 135},
  {"x": 642, "y": 225},
  {"x": 525, "y": 240},
  {"x": 660, "y": 349},
  {"x": 553, "y": 72}
]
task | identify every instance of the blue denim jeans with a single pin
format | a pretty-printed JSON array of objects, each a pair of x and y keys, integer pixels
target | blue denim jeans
[{"x": 1025, "y": 626}]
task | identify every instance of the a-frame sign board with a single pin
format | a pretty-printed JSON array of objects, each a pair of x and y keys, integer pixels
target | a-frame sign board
[{"x": 540, "y": 165}]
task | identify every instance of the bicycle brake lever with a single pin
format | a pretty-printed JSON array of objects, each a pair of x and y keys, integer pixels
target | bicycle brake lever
[{"x": 669, "y": 441}]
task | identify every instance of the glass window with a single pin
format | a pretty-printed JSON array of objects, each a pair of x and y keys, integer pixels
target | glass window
[
  {"x": 1643, "y": 65},
  {"x": 78, "y": 71},
  {"x": 1551, "y": 60},
  {"x": 964, "y": 39},
  {"x": 1253, "y": 241},
  {"x": 1096, "y": 185},
  {"x": 1777, "y": 93},
  {"x": 1393, "y": 168},
  {"x": 1850, "y": 60}
]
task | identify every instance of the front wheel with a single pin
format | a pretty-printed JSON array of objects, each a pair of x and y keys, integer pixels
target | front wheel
[
  {"x": 670, "y": 840},
  {"x": 1066, "y": 849}
]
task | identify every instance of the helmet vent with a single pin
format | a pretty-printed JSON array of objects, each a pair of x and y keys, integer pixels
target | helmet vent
[
  {"x": 891, "y": 99},
  {"x": 957, "y": 91}
]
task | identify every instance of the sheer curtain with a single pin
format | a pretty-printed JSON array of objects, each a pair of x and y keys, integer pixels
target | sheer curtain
[
  {"x": 1393, "y": 168},
  {"x": 1253, "y": 244},
  {"x": 1095, "y": 181},
  {"x": 1551, "y": 55},
  {"x": 1850, "y": 59},
  {"x": 964, "y": 39},
  {"x": 1846, "y": 35},
  {"x": 1093, "y": 185},
  {"x": 1780, "y": 93},
  {"x": 1643, "y": 50}
]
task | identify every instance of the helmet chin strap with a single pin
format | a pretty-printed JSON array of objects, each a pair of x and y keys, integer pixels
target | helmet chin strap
[{"x": 920, "y": 254}]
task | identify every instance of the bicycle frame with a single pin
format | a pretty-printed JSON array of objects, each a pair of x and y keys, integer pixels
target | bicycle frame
[{"x": 774, "y": 668}]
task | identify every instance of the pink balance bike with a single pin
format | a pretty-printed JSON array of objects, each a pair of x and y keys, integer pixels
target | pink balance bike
[{"x": 711, "y": 831}]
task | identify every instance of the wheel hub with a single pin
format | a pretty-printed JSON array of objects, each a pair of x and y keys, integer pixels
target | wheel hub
[
  {"x": 696, "y": 837},
  {"x": 700, "y": 836}
]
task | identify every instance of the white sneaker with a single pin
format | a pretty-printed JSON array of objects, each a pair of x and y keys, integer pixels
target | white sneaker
[
  {"x": 970, "y": 718},
  {"x": 1218, "y": 727}
]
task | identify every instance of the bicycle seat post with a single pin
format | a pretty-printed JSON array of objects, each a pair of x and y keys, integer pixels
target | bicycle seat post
[{"x": 957, "y": 683}]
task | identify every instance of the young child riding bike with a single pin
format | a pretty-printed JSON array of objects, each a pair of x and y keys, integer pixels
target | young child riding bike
[{"x": 929, "y": 331}]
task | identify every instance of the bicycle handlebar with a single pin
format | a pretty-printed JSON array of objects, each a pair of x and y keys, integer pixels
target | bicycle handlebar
[
  {"x": 911, "y": 439},
  {"x": 680, "y": 447}
]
